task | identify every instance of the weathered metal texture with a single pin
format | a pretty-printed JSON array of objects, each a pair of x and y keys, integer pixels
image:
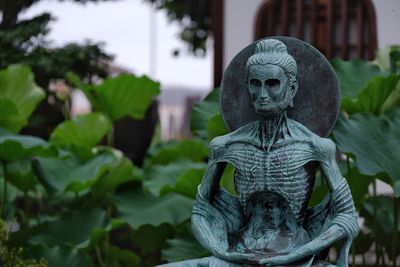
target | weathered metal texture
[
  {"x": 316, "y": 104},
  {"x": 268, "y": 221}
]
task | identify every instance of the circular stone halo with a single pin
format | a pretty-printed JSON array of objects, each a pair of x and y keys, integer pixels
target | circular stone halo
[{"x": 316, "y": 103}]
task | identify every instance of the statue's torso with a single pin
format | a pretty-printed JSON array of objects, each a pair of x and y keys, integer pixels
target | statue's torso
[
  {"x": 273, "y": 186},
  {"x": 281, "y": 170}
]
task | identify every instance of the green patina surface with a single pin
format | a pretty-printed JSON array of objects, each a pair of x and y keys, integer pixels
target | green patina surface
[{"x": 268, "y": 222}]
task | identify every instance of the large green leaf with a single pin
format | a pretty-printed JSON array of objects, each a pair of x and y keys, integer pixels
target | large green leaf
[
  {"x": 374, "y": 142},
  {"x": 61, "y": 256},
  {"x": 139, "y": 207},
  {"x": 164, "y": 153},
  {"x": 358, "y": 182},
  {"x": 124, "y": 95},
  {"x": 122, "y": 257},
  {"x": 69, "y": 174},
  {"x": 149, "y": 238},
  {"x": 19, "y": 96},
  {"x": 14, "y": 147},
  {"x": 81, "y": 132},
  {"x": 216, "y": 127},
  {"x": 20, "y": 174},
  {"x": 354, "y": 75},
  {"x": 12, "y": 193},
  {"x": 373, "y": 96},
  {"x": 227, "y": 179},
  {"x": 71, "y": 228},
  {"x": 183, "y": 246},
  {"x": 183, "y": 176},
  {"x": 121, "y": 172},
  {"x": 320, "y": 189},
  {"x": 203, "y": 112}
]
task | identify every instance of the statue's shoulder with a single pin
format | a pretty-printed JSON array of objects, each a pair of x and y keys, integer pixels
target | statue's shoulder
[
  {"x": 243, "y": 135},
  {"x": 325, "y": 147}
]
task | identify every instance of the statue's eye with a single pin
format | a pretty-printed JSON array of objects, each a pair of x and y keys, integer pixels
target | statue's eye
[
  {"x": 255, "y": 82},
  {"x": 273, "y": 84}
]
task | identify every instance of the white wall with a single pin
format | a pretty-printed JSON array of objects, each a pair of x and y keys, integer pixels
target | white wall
[
  {"x": 239, "y": 16},
  {"x": 388, "y": 21}
]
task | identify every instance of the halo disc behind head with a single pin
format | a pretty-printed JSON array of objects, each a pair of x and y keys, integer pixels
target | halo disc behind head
[{"x": 316, "y": 104}]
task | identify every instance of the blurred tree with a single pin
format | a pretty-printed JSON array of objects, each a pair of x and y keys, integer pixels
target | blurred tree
[
  {"x": 194, "y": 17},
  {"x": 25, "y": 41}
]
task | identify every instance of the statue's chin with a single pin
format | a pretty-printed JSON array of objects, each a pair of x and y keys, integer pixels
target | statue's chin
[
  {"x": 269, "y": 113},
  {"x": 272, "y": 110}
]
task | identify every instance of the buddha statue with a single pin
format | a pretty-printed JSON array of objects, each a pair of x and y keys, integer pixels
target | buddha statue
[{"x": 268, "y": 222}]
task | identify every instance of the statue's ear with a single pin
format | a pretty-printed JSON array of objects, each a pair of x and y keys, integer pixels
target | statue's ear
[{"x": 293, "y": 90}]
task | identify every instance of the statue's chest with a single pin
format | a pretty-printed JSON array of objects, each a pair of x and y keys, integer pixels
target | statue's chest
[{"x": 280, "y": 170}]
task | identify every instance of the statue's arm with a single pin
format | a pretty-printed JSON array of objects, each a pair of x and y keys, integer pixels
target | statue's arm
[
  {"x": 208, "y": 225},
  {"x": 211, "y": 179},
  {"x": 344, "y": 224}
]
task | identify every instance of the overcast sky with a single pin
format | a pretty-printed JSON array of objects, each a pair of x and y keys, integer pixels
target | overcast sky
[{"x": 125, "y": 26}]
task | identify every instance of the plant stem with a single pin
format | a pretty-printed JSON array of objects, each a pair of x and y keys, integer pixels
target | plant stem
[
  {"x": 3, "y": 201},
  {"x": 363, "y": 260},
  {"x": 99, "y": 258},
  {"x": 375, "y": 225},
  {"x": 66, "y": 110},
  {"x": 110, "y": 137},
  {"x": 107, "y": 243},
  {"x": 396, "y": 222}
]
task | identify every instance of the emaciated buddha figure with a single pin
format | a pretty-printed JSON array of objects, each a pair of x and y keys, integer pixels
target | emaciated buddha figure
[{"x": 268, "y": 222}]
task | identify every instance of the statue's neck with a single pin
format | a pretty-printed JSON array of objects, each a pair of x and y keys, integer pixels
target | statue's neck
[{"x": 271, "y": 130}]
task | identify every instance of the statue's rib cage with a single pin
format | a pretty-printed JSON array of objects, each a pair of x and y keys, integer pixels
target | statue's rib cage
[{"x": 281, "y": 170}]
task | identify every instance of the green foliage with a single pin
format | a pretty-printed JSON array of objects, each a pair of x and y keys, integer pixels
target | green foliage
[
  {"x": 368, "y": 133},
  {"x": 13, "y": 257},
  {"x": 61, "y": 256},
  {"x": 182, "y": 175},
  {"x": 71, "y": 228},
  {"x": 373, "y": 96},
  {"x": 140, "y": 207},
  {"x": 77, "y": 134},
  {"x": 25, "y": 41},
  {"x": 363, "y": 133},
  {"x": 124, "y": 95},
  {"x": 19, "y": 96},
  {"x": 82, "y": 204},
  {"x": 206, "y": 121},
  {"x": 354, "y": 75},
  {"x": 20, "y": 174},
  {"x": 69, "y": 174},
  {"x": 164, "y": 153},
  {"x": 183, "y": 246},
  {"x": 14, "y": 147}
]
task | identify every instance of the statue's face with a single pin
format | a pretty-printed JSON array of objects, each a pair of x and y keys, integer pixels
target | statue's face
[{"x": 268, "y": 86}]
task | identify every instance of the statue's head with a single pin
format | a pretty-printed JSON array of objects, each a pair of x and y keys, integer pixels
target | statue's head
[{"x": 271, "y": 78}]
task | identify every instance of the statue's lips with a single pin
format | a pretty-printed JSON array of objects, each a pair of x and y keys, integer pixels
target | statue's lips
[{"x": 264, "y": 103}]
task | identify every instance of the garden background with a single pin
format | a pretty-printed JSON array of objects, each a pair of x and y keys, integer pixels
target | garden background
[{"x": 72, "y": 193}]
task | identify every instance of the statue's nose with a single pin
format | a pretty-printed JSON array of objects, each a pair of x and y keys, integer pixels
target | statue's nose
[{"x": 264, "y": 92}]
